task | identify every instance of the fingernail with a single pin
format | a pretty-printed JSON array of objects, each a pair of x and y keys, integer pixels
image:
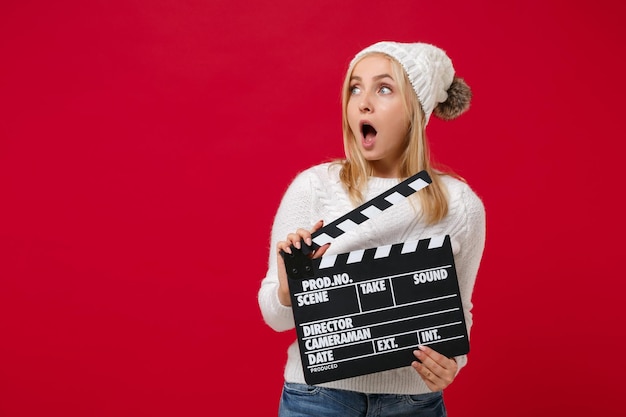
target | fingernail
[
  {"x": 308, "y": 241},
  {"x": 421, "y": 347},
  {"x": 297, "y": 244}
]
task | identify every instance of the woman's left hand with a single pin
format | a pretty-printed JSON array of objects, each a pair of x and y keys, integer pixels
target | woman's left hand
[{"x": 436, "y": 370}]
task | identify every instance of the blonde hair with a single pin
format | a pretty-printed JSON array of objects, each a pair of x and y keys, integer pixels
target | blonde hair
[{"x": 355, "y": 169}]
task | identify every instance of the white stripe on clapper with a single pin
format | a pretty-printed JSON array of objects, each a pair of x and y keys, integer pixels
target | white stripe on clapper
[
  {"x": 395, "y": 198},
  {"x": 409, "y": 247},
  {"x": 355, "y": 256},
  {"x": 371, "y": 212},
  {"x": 323, "y": 239},
  {"x": 436, "y": 242},
  {"x": 382, "y": 251},
  {"x": 347, "y": 225},
  {"x": 418, "y": 184},
  {"x": 327, "y": 261}
]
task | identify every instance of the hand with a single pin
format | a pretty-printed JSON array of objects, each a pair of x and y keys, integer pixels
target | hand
[
  {"x": 436, "y": 370},
  {"x": 294, "y": 239}
]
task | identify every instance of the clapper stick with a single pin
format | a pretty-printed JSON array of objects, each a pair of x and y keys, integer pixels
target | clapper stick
[
  {"x": 300, "y": 266},
  {"x": 367, "y": 210}
]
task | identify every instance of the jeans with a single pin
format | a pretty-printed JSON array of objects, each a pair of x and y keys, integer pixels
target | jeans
[{"x": 300, "y": 400}]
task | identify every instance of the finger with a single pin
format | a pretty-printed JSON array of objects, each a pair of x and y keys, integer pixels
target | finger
[
  {"x": 301, "y": 234},
  {"x": 305, "y": 235},
  {"x": 283, "y": 246},
  {"x": 290, "y": 240},
  {"x": 317, "y": 226},
  {"x": 309, "y": 241},
  {"x": 427, "y": 370},
  {"x": 443, "y": 370},
  {"x": 320, "y": 252},
  {"x": 427, "y": 362},
  {"x": 434, "y": 381},
  {"x": 429, "y": 377},
  {"x": 433, "y": 357},
  {"x": 295, "y": 238}
]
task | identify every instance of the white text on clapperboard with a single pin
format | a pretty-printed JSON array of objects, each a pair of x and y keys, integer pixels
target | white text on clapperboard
[{"x": 335, "y": 332}]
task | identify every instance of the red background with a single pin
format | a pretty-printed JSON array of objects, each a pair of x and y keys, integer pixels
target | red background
[{"x": 144, "y": 147}]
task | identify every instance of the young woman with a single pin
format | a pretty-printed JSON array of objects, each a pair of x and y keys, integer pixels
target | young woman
[{"x": 390, "y": 91}]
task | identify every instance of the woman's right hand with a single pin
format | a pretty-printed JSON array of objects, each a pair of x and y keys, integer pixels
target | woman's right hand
[{"x": 294, "y": 239}]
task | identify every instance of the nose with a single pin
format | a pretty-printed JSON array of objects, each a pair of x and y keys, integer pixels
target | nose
[{"x": 365, "y": 105}]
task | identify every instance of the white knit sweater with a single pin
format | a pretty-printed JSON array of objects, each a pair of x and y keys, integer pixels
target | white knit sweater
[{"x": 317, "y": 194}]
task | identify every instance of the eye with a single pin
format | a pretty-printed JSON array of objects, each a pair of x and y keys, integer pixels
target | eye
[
  {"x": 354, "y": 90},
  {"x": 385, "y": 90}
]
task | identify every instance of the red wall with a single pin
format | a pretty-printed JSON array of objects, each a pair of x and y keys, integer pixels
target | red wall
[{"x": 144, "y": 147}]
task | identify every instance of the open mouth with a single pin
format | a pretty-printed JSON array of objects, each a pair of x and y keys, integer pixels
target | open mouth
[{"x": 368, "y": 132}]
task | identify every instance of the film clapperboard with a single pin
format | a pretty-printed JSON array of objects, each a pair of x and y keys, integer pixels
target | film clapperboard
[{"x": 367, "y": 310}]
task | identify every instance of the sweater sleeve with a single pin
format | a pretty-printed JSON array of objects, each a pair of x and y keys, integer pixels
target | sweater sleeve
[
  {"x": 471, "y": 236},
  {"x": 295, "y": 211}
]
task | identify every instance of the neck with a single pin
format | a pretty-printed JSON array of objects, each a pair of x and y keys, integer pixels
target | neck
[{"x": 382, "y": 170}]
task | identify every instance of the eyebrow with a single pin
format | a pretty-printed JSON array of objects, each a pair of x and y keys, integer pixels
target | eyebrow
[{"x": 375, "y": 78}]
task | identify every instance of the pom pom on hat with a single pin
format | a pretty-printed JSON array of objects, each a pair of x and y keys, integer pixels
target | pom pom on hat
[
  {"x": 431, "y": 74},
  {"x": 457, "y": 103}
]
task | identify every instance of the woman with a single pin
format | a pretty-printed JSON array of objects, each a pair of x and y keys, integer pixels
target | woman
[{"x": 390, "y": 91}]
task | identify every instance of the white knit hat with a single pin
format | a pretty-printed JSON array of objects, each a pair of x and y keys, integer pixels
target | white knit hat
[{"x": 431, "y": 74}]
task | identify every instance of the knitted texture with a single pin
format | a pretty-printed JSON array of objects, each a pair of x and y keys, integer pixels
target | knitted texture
[
  {"x": 317, "y": 194},
  {"x": 429, "y": 69}
]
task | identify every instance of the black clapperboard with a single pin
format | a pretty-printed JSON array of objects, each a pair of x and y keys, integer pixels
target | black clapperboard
[{"x": 367, "y": 310}]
